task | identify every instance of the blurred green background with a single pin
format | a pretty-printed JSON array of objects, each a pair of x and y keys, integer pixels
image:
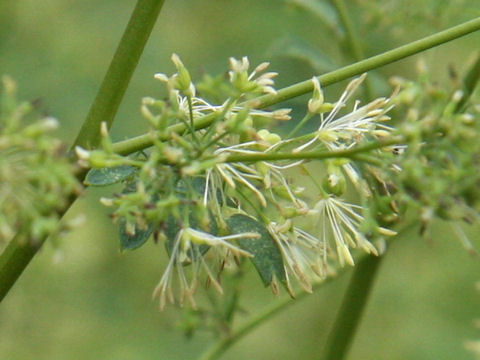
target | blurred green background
[{"x": 84, "y": 300}]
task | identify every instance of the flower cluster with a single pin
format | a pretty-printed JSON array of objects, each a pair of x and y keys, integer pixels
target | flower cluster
[
  {"x": 36, "y": 179},
  {"x": 438, "y": 173},
  {"x": 207, "y": 189}
]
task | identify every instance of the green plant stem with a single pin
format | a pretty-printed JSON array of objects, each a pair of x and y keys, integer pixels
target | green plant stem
[
  {"x": 144, "y": 141},
  {"x": 300, "y": 124},
  {"x": 322, "y": 154},
  {"x": 13, "y": 260},
  {"x": 224, "y": 344},
  {"x": 373, "y": 62},
  {"x": 352, "y": 39},
  {"x": 352, "y": 308},
  {"x": 20, "y": 251},
  {"x": 366, "y": 267},
  {"x": 120, "y": 71}
]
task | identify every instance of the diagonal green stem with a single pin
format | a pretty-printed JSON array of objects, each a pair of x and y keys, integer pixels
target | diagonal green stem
[
  {"x": 224, "y": 344},
  {"x": 117, "y": 78},
  {"x": 373, "y": 62},
  {"x": 16, "y": 257},
  {"x": 143, "y": 141},
  {"x": 311, "y": 155},
  {"x": 352, "y": 308},
  {"x": 20, "y": 251}
]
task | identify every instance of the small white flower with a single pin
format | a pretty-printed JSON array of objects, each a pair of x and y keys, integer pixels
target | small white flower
[
  {"x": 303, "y": 254},
  {"x": 341, "y": 132},
  {"x": 252, "y": 176},
  {"x": 341, "y": 220},
  {"x": 239, "y": 65},
  {"x": 240, "y": 78},
  {"x": 186, "y": 250}
]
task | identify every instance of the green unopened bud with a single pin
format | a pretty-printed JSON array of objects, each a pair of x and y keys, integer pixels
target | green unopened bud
[
  {"x": 40, "y": 127},
  {"x": 326, "y": 107},
  {"x": 317, "y": 100},
  {"x": 328, "y": 136},
  {"x": 273, "y": 138},
  {"x": 98, "y": 159},
  {"x": 172, "y": 154},
  {"x": 281, "y": 114},
  {"x": 262, "y": 168},
  {"x": 182, "y": 80},
  {"x": 289, "y": 212},
  {"x": 263, "y": 133},
  {"x": 334, "y": 182},
  {"x": 269, "y": 137},
  {"x": 236, "y": 123},
  {"x": 43, "y": 226}
]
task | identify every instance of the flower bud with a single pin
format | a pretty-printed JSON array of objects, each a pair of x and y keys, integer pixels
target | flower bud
[
  {"x": 317, "y": 100},
  {"x": 334, "y": 182},
  {"x": 182, "y": 81}
]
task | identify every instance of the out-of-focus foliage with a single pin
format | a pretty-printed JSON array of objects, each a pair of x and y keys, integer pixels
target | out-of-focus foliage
[{"x": 36, "y": 177}]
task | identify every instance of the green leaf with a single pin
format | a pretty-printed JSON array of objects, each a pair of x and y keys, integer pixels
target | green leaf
[
  {"x": 109, "y": 176},
  {"x": 267, "y": 258},
  {"x": 128, "y": 242}
]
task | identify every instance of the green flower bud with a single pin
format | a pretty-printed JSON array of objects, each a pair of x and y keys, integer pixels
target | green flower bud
[
  {"x": 183, "y": 80},
  {"x": 334, "y": 182}
]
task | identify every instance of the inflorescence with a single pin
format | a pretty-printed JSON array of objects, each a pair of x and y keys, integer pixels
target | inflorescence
[{"x": 209, "y": 190}]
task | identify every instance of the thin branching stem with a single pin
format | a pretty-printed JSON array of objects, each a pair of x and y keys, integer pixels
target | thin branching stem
[
  {"x": 300, "y": 124},
  {"x": 310, "y": 155},
  {"x": 224, "y": 344},
  {"x": 144, "y": 141}
]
